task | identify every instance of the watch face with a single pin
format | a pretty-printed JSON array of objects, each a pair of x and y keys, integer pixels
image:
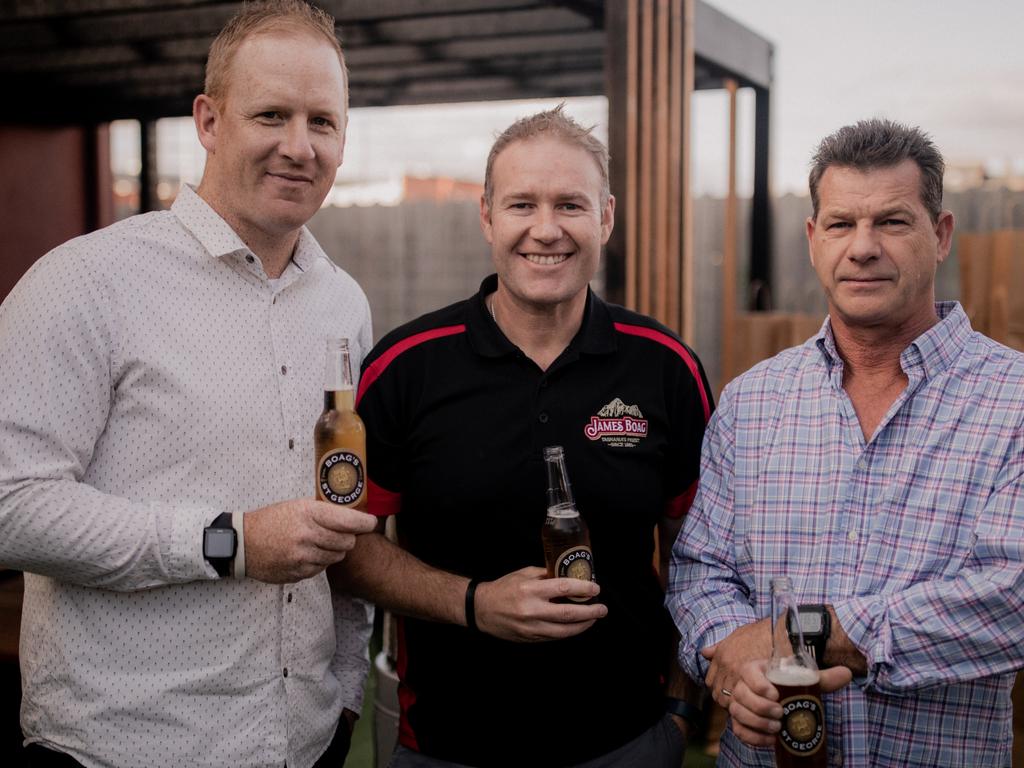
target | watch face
[
  {"x": 810, "y": 623},
  {"x": 219, "y": 543}
]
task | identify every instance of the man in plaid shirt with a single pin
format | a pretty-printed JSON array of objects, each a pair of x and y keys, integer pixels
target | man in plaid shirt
[{"x": 881, "y": 467}]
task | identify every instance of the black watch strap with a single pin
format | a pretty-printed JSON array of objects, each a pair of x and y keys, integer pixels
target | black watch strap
[
  {"x": 220, "y": 542},
  {"x": 691, "y": 713},
  {"x": 815, "y": 642}
]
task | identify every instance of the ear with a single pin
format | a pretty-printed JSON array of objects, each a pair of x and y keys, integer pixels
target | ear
[
  {"x": 607, "y": 219},
  {"x": 344, "y": 132},
  {"x": 206, "y": 115},
  {"x": 809, "y": 225},
  {"x": 485, "y": 220},
  {"x": 341, "y": 150},
  {"x": 944, "y": 232}
]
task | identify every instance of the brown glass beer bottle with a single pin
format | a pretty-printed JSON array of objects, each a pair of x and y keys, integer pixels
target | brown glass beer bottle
[
  {"x": 565, "y": 536},
  {"x": 339, "y": 435},
  {"x": 801, "y": 741}
]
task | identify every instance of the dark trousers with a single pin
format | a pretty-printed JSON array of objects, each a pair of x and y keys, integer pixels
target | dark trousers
[
  {"x": 37, "y": 756},
  {"x": 660, "y": 746}
]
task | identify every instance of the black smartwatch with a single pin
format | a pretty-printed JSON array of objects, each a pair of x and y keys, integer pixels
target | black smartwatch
[
  {"x": 219, "y": 544},
  {"x": 816, "y": 626}
]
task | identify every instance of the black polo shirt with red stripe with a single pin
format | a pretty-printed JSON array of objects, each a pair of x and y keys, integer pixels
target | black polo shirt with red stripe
[{"x": 457, "y": 419}]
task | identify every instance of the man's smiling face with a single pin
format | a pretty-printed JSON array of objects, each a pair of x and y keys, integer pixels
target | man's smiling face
[{"x": 546, "y": 221}]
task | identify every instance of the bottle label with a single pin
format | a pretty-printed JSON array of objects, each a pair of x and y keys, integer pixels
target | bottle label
[
  {"x": 341, "y": 477},
  {"x": 576, "y": 563},
  {"x": 803, "y": 726}
]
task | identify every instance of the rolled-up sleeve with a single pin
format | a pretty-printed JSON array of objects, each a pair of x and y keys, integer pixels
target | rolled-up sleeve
[{"x": 945, "y": 631}]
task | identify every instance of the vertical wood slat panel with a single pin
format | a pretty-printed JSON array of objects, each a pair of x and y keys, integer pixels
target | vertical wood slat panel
[
  {"x": 646, "y": 151},
  {"x": 675, "y": 165},
  {"x": 661, "y": 166},
  {"x": 687, "y": 331},
  {"x": 658, "y": 80},
  {"x": 630, "y": 204}
]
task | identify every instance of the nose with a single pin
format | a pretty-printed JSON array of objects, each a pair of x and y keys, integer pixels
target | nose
[
  {"x": 866, "y": 244},
  {"x": 545, "y": 227},
  {"x": 295, "y": 143}
]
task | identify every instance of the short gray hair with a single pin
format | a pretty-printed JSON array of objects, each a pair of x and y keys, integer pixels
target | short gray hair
[{"x": 877, "y": 143}]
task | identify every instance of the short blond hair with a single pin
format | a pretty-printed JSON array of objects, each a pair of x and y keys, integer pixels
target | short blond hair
[
  {"x": 264, "y": 17},
  {"x": 553, "y": 123}
]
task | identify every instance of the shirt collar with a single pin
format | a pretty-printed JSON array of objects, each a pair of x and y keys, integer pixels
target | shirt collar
[
  {"x": 936, "y": 349},
  {"x": 219, "y": 239},
  {"x": 595, "y": 336},
  {"x": 932, "y": 352}
]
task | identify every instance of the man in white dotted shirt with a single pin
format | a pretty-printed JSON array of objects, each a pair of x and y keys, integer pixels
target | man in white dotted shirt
[{"x": 159, "y": 380}]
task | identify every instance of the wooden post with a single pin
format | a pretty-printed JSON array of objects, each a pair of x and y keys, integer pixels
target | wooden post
[{"x": 729, "y": 251}]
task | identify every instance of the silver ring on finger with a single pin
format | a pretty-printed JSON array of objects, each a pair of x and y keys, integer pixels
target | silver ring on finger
[{"x": 726, "y": 692}]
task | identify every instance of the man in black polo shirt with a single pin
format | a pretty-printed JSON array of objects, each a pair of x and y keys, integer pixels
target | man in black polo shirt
[{"x": 459, "y": 406}]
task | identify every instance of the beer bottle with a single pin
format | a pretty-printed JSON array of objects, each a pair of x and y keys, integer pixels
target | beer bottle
[
  {"x": 565, "y": 535},
  {"x": 339, "y": 434},
  {"x": 793, "y": 672}
]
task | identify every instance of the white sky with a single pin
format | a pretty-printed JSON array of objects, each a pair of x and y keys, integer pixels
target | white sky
[{"x": 954, "y": 68}]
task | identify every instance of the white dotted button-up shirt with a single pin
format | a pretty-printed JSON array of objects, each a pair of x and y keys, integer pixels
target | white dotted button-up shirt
[{"x": 151, "y": 377}]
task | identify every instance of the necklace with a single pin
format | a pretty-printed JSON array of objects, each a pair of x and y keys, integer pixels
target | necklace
[{"x": 490, "y": 307}]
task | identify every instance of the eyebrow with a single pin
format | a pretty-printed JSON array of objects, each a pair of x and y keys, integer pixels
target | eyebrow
[
  {"x": 894, "y": 210},
  {"x": 530, "y": 195}
]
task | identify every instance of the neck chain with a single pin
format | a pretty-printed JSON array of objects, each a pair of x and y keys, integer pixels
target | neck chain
[{"x": 490, "y": 307}]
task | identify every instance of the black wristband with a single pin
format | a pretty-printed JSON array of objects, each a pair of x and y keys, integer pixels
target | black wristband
[
  {"x": 471, "y": 605},
  {"x": 684, "y": 709}
]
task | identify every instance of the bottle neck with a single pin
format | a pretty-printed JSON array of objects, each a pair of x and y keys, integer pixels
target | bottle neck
[
  {"x": 560, "y": 501},
  {"x": 337, "y": 367},
  {"x": 339, "y": 400},
  {"x": 784, "y": 614}
]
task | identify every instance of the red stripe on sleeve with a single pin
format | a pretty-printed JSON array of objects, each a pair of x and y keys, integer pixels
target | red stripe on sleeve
[
  {"x": 680, "y": 505},
  {"x": 667, "y": 341},
  {"x": 378, "y": 366},
  {"x": 381, "y": 502}
]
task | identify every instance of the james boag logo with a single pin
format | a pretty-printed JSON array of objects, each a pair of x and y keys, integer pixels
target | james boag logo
[{"x": 617, "y": 424}]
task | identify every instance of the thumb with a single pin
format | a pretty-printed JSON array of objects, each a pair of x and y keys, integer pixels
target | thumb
[
  {"x": 709, "y": 652},
  {"x": 834, "y": 678}
]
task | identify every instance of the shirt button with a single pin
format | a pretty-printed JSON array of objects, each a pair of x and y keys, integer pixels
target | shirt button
[
  {"x": 289, "y": 597},
  {"x": 291, "y": 443},
  {"x": 284, "y": 370},
  {"x": 837, "y": 759},
  {"x": 286, "y": 671},
  {"x": 543, "y": 418},
  {"x": 853, "y": 535},
  {"x": 250, "y": 258}
]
